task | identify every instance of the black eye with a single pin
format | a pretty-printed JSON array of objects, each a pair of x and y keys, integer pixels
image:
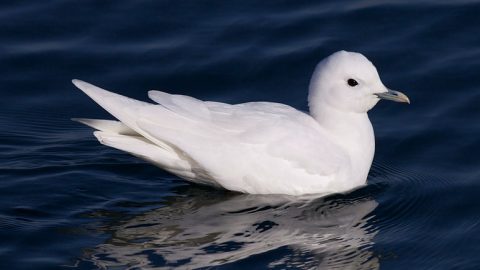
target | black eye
[{"x": 352, "y": 82}]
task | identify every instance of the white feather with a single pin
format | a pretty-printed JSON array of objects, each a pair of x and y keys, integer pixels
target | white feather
[{"x": 257, "y": 147}]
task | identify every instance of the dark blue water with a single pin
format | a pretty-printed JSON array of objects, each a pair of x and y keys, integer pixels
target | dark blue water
[{"x": 68, "y": 202}]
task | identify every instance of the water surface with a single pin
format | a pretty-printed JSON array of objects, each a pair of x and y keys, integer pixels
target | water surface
[{"x": 68, "y": 202}]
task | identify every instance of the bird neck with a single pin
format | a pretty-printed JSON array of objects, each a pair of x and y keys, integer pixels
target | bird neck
[{"x": 353, "y": 132}]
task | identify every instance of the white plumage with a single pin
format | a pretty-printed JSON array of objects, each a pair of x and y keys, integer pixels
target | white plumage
[{"x": 257, "y": 147}]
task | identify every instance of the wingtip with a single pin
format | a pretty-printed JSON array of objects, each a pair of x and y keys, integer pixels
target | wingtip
[
  {"x": 79, "y": 120},
  {"x": 79, "y": 83},
  {"x": 89, "y": 89},
  {"x": 84, "y": 121},
  {"x": 76, "y": 81},
  {"x": 152, "y": 94}
]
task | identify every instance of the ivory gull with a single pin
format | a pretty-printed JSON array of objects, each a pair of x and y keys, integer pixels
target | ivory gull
[{"x": 256, "y": 147}]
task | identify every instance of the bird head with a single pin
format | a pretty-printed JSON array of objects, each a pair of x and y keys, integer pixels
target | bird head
[{"x": 348, "y": 81}]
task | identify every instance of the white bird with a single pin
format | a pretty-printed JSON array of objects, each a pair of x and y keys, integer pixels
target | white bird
[{"x": 256, "y": 147}]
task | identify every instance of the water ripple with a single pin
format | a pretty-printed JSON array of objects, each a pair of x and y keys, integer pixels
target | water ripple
[{"x": 208, "y": 228}]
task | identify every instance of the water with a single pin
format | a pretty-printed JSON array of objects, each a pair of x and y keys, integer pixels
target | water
[{"x": 67, "y": 202}]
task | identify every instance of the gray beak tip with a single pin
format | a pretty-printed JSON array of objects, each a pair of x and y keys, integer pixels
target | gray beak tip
[{"x": 394, "y": 96}]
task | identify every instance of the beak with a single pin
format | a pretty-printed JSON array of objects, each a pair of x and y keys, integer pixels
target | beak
[{"x": 394, "y": 96}]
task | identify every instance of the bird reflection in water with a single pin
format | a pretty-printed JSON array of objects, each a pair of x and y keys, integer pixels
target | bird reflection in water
[{"x": 206, "y": 228}]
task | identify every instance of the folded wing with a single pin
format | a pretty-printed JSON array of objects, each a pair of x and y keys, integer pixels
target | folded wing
[{"x": 240, "y": 147}]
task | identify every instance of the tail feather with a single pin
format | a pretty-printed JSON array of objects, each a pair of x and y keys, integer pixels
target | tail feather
[
  {"x": 129, "y": 135},
  {"x": 123, "y": 108},
  {"x": 144, "y": 149},
  {"x": 110, "y": 126}
]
